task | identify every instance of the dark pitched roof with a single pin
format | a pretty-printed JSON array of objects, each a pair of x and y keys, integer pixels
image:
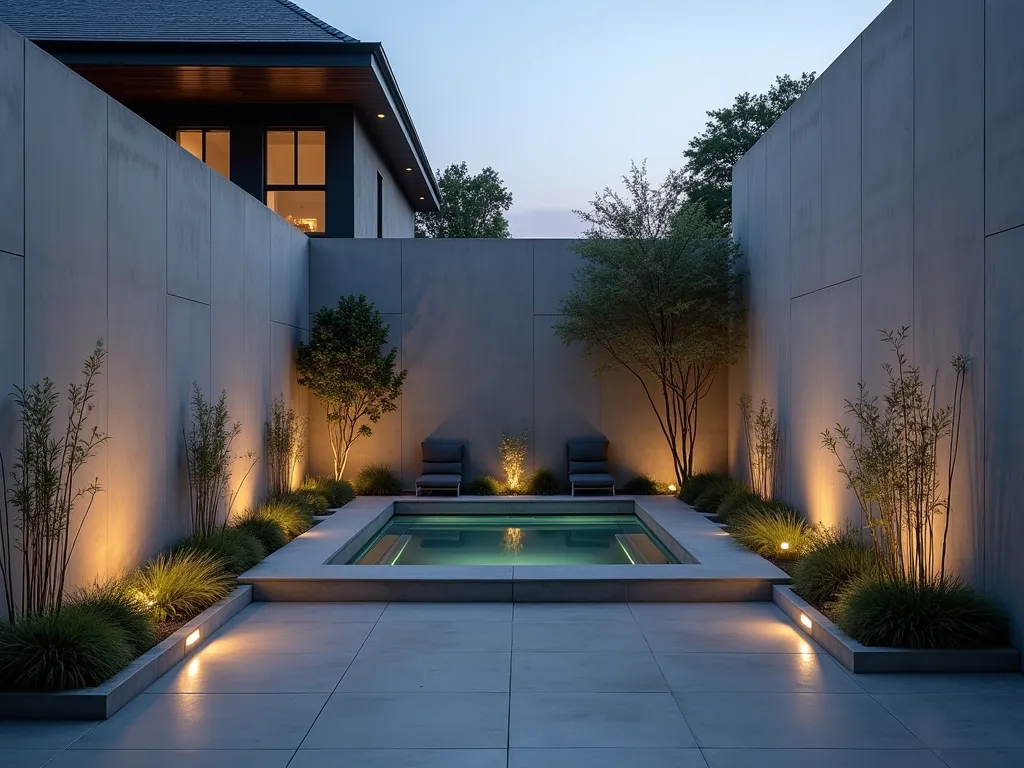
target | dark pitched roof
[{"x": 213, "y": 21}]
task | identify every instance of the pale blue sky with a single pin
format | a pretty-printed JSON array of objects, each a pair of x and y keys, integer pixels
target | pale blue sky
[{"x": 560, "y": 95}]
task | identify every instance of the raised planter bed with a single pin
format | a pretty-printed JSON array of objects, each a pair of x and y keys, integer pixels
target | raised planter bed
[
  {"x": 103, "y": 701},
  {"x": 869, "y": 659}
]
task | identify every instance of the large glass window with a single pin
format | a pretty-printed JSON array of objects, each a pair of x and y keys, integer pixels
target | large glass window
[
  {"x": 296, "y": 177},
  {"x": 213, "y": 147}
]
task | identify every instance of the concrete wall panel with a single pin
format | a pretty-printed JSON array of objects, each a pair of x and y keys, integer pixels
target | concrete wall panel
[
  {"x": 1004, "y": 424},
  {"x": 776, "y": 334},
  {"x": 1004, "y": 115},
  {"x": 188, "y": 226},
  {"x": 12, "y": 349},
  {"x": 840, "y": 167},
  {"x": 949, "y": 227},
  {"x": 566, "y": 395},
  {"x": 807, "y": 271},
  {"x": 137, "y": 316},
  {"x": 12, "y": 142},
  {"x": 289, "y": 285},
  {"x": 757, "y": 265},
  {"x": 467, "y": 341},
  {"x": 344, "y": 267},
  {"x": 888, "y": 183},
  {"x": 66, "y": 254},
  {"x": 736, "y": 380},
  {"x": 554, "y": 262},
  {"x": 254, "y": 407},
  {"x": 227, "y": 278},
  {"x": 822, "y": 322}
]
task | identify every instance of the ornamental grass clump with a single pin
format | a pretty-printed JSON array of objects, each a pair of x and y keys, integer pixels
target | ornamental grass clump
[
  {"x": 736, "y": 503},
  {"x": 236, "y": 549},
  {"x": 311, "y": 502},
  {"x": 483, "y": 486},
  {"x": 714, "y": 492},
  {"x": 112, "y": 601},
  {"x": 293, "y": 518},
  {"x": 267, "y": 531},
  {"x": 378, "y": 480},
  {"x": 180, "y": 585},
  {"x": 79, "y": 647},
  {"x": 837, "y": 559},
  {"x": 543, "y": 482},
  {"x": 773, "y": 530},
  {"x": 337, "y": 492},
  {"x": 936, "y": 614},
  {"x": 642, "y": 485},
  {"x": 695, "y": 486}
]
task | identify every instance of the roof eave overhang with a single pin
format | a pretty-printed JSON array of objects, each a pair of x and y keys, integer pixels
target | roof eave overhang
[{"x": 264, "y": 54}]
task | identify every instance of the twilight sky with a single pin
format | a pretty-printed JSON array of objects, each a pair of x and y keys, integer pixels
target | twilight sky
[{"x": 560, "y": 95}]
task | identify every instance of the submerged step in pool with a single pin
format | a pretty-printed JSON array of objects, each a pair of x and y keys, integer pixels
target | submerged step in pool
[{"x": 514, "y": 540}]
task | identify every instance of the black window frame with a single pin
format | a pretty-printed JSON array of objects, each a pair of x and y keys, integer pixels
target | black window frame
[
  {"x": 203, "y": 131},
  {"x": 296, "y": 187}
]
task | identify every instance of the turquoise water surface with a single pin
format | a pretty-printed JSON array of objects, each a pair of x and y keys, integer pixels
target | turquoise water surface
[{"x": 514, "y": 540}]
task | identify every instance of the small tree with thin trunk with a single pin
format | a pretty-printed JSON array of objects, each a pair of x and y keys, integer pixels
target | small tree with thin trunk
[
  {"x": 658, "y": 296},
  {"x": 346, "y": 369}
]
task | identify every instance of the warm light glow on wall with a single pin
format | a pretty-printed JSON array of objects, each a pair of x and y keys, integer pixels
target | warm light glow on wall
[{"x": 192, "y": 639}]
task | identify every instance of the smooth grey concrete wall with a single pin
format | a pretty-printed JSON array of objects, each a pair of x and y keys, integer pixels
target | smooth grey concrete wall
[
  {"x": 110, "y": 230},
  {"x": 399, "y": 220},
  {"x": 472, "y": 320},
  {"x": 903, "y": 165}
]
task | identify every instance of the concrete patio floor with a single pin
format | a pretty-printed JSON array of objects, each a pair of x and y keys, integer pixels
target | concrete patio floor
[{"x": 407, "y": 685}]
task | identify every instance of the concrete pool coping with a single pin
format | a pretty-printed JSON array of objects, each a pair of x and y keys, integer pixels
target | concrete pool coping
[{"x": 724, "y": 571}]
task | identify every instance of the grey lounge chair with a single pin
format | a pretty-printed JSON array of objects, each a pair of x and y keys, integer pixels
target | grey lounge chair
[
  {"x": 588, "y": 465},
  {"x": 442, "y": 466}
]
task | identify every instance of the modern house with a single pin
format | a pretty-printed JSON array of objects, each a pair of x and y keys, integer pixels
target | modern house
[{"x": 300, "y": 115}]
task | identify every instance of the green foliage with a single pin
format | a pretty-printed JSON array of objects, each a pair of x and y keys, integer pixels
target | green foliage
[
  {"x": 761, "y": 435},
  {"x": 378, "y": 480},
  {"x": 696, "y": 484},
  {"x": 286, "y": 438},
  {"x": 543, "y": 482},
  {"x": 343, "y": 366},
  {"x": 836, "y": 560},
  {"x": 267, "y": 531},
  {"x": 658, "y": 295},
  {"x": 483, "y": 486},
  {"x": 937, "y": 614},
  {"x": 180, "y": 585},
  {"x": 76, "y": 648},
  {"x": 714, "y": 493},
  {"x": 736, "y": 502},
  {"x": 471, "y": 206},
  {"x": 766, "y": 527},
  {"x": 112, "y": 601},
  {"x": 46, "y": 492},
  {"x": 209, "y": 458},
  {"x": 237, "y": 550},
  {"x": 309, "y": 501},
  {"x": 727, "y": 136},
  {"x": 292, "y": 517},
  {"x": 893, "y": 463},
  {"x": 642, "y": 485},
  {"x": 338, "y": 492}
]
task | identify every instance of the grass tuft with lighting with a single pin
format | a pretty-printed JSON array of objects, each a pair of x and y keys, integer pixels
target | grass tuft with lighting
[
  {"x": 695, "y": 486},
  {"x": 111, "y": 601},
  {"x": 337, "y": 492},
  {"x": 543, "y": 482},
  {"x": 235, "y": 548},
  {"x": 773, "y": 530},
  {"x": 837, "y": 558},
  {"x": 484, "y": 485},
  {"x": 642, "y": 485},
  {"x": 180, "y": 585},
  {"x": 378, "y": 480}
]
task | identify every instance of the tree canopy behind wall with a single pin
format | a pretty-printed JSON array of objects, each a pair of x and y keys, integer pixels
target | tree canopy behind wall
[
  {"x": 471, "y": 206},
  {"x": 657, "y": 296},
  {"x": 729, "y": 133}
]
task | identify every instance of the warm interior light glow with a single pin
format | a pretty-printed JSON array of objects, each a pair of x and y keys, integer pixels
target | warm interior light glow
[
  {"x": 806, "y": 620},
  {"x": 192, "y": 639},
  {"x": 784, "y": 545},
  {"x": 672, "y": 487}
]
